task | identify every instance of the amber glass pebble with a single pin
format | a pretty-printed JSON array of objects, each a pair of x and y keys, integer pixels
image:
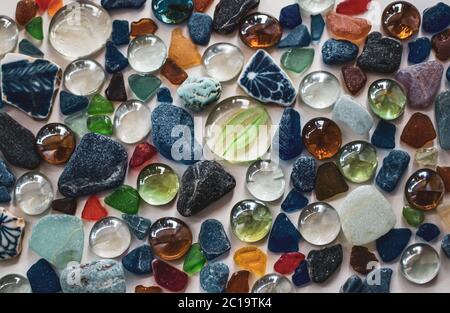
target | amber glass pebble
[
  {"x": 424, "y": 189},
  {"x": 322, "y": 137},
  {"x": 401, "y": 20},
  {"x": 174, "y": 73},
  {"x": 238, "y": 282},
  {"x": 55, "y": 143},
  {"x": 144, "y": 26},
  {"x": 183, "y": 51},
  {"x": 144, "y": 289},
  {"x": 260, "y": 30},
  {"x": 418, "y": 131}
]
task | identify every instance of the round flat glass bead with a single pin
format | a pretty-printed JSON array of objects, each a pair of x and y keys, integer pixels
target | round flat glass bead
[
  {"x": 14, "y": 283},
  {"x": 158, "y": 184},
  {"x": 79, "y": 30},
  {"x": 401, "y": 20},
  {"x": 273, "y": 283},
  {"x": 132, "y": 121},
  {"x": 84, "y": 77},
  {"x": 110, "y": 237},
  {"x": 172, "y": 11},
  {"x": 238, "y": 130},
  {"x": 319, "y": 223},
  {"x": 223, "y": 61},
  {"x": 141, "y": 48},
  {"x": 358, "y": 161},
  {"x": 250, "y": 220},
  {"x": 424, "y": 189},
  {"x": 170, "y": 238},
  {"x": 387, "y": 99},
  {"x": 9, "y": 35},
  {"x": 33, "y": 193},
  {"x": 320, "y": 90},
  {"x": 420, "y": 263},
  {"x": 55, "y": 143},
  {"x": 260, "y": 31},
  {"x": 322, "y": 138},
  {"x": 265, "y": 180}
]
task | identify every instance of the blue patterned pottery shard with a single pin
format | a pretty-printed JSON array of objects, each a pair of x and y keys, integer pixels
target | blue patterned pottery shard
[
  {"x": 11, "y": 234},
  {"x": 30, "y": 84},
  {"x": 265, "y": 81}
]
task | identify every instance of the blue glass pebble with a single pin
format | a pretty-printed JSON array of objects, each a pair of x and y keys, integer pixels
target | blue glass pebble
[
  {"x": 392, "y": 244},
  {"x": 428, "y": 231},
  {"x": 172, "y": 11},
  {"x": 301, "y": 275},
  {"x": 121, "y": 32},
  {"x": 4, "y": 195},
  {"x": 338, "y": 52},
  {"x": 288, "y": 139},
  {"x": 442, "y": 115},
  {"x": 303, "y": 176},
  {"x": 138, "y": 225},
  {"x": 200, "y": 28},
  {"x": 294, "y": 201},
  {"x": 378, "y": 281},
  {"x": 43, "y": 278},
  {"x": 214, "y": 277},
  {"x": 28, "y": 48},
  {"x": 115, "y": 61},
  {"x": 384, "y": 135},
  {"x": 298, "y": 37},
  {"x": 290, "y": 16},
  {"x": 139, "y": 260},
  {"x": 445, "y": 245},
  {"x": 70, "y": 103},
  {"x": 394, "y": 166},
  {"x": 317, "y": 27},
  {"x": 419, "y": 50},
  {"x": 436, "y": 18},
  {"x": 284, "y": 236},
  {"x": 122, "y": 4},
  {"x": 7, "y": 178},
  {"x": 164, "y": 96},
  {"x": 353, "y": 284},
  {"x": 213, "y": 240}
]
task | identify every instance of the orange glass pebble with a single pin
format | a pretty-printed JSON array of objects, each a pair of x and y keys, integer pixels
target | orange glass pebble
[
  {"x": 55, "y": 143},
  {"x": 54, "y": 6},
  {"x": 175, "y": 74},
  {"x": 260, "y": 30},
  {"x": 418, "y": 131},
  {"x": 322, "y": 138},
  {"x": 144, "y": 289},
  {"x": 238, "y": 282},
  {"x": 144, "y": 26},
  {"x": 424, "y": 189},
  {"x": 444, "y": 172},
  {"x": 183, "y": 51},
  {"x": 347, "y": 27},
  {"x": 251, "y": 259},
  {"x": 401, "y": 20},
  {"x": 202, "y": 5}
]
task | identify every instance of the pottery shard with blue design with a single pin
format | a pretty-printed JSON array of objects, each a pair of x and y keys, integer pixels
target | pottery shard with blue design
[
  {"x": 102, "y": 276},
  {"x": 30, "y": 84},
  {"x": 11, "y": 234},
  {"x": 265, "y": 81},
  {"x": 198, "y": 93}
]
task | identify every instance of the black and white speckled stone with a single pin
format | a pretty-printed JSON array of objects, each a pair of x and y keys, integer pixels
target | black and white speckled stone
[
  {"x": 229, "y": 13},
  {"x": 98, "y": 163},
  {"x": 323, "y": 263}
]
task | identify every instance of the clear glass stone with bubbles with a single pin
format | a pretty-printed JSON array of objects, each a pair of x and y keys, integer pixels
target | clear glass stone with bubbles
[
  {"x": 33, "y": 193},
  {"x": 84, "y": 77},
  {"x": 223, "y": 61},
  {"x": 110, "y": 237}
]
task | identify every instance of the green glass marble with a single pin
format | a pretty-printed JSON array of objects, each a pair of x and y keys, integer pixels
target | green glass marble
[
  {"x": 358, "y": 161},
  {"x": 387, "y": 99},
  {"x": 144, "y": 86},
  {"x": 413, "y": 216},
  {"x": 100, "y": 124},
  {"x": 297, "y": 60},
  {"x": 99, "y": 105},
  {"x": 125, "y": 199},
  {"x": 250, "y": 220},
  {"x": 158, "y": 184},
  {"x": 194, "y": 260},
  {"x": 35, "y": 28},
  {"x": 78, "y": 123}
]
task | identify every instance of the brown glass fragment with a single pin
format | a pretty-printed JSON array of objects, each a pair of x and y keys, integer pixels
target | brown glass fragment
[
  {"x": 238, "y": 282},
  {"x": 362, "y": 260},
  {"x": 329, "y": 181},
  {"x": 65, "y": 205},
  {"x": 55, "y": 143},
  {"x": 444, "y": 172},
  {"x": 401, "y": 20},
  {"x": 144, "y": 26},
  {"x": 441, "y": 44},
  {"x": 418, "y": 131},
  {"x": 116, "y": 90},
  {"x": 175, "y": 74},
  {"x": 260, "y": 30}
]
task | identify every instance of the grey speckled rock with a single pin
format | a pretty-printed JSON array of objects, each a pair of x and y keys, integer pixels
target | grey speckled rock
[
  {"x": 323, "y": 263},
  {"x": 394, "y": 166},
  {"x": 303, "y": 176},
  {"x": 338, "y": 52},
  {"x": 201, "y": 184},
  {"x": 98, "y": 163},
  {"x": 102, "y": 276},
  {"x": 442, "y": 113},
  {"x": 197, "y": 93},
  {"x": 229, "y": 13},
  {"x": 17, "y": 143},
  {"x": 213, "y": 240},
  {"x": 214, "y": 277}
]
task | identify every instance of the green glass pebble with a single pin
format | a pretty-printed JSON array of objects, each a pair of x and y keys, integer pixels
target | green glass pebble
[
  {"x": 125, "y": 199},
  {"x": 387, "y": 99},
  {"x": 78, "y": 123},
  {"x": 194, "y": 261},
  {"x": 100, "y": 124},
  {"x": 99, "y": 105},
  {"x": 158, "y": 184},
  {"x": 297, "y": 60},
  {"x": 413, "y": 216},
  {"x": 144, "y": 86},
  {"x": 35, "y": 28},
  {"x": 358, "y": 161}
]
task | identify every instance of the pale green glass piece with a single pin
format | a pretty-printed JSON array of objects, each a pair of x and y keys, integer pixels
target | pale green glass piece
[
  {"x": 427, "y": 157},
  {"x": 250, "y": 220},
  {"x": 413, "y": 217},
  {"x": 387, "y": 99},
  {"x": 297, "y": 60},
  {"x": 358, "y": 161},
  {"x": 78, "y": 123},
  {"x": 158, "y": 184}
]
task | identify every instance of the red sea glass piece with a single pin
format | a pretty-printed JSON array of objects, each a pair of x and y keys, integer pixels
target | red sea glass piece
[
  {"x": 168, "y": 276},
  {"x": 142, "y": 153},
  {"x": 288, "y": 262},
  {"x": 353, "y": 7},
  {"x": 43, "y": 4},
  {"x": 93, "y": 210}
]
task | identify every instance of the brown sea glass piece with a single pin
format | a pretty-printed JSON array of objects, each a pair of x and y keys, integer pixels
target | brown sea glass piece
[
  {"x": 116, "y": 90},
  {"x": 238, "y": 282},
  {"x": 401, "y": 20},
  {"x": 346, "y": 27},
  {"x": 175, "y": 74},
  {"x": 329, "y": 181},
  {"x": 441, "y": 44},
  {"x": 144, "y": 289},
  {"x": 144, "y": 26},
  {"x": 55, "y": 143},
  {"x": 25, "y": 11},
  {"x": 418, "y": 131},
  {"x": 322, "y": 138},
  {"x": 424, "y": 189},
  {"x": 362, "y": 260},
  {"x": 183, "y": 51},
  {"x": 354, "y": 78},
  {"x": 259, "y": 31},
  {"x": 202, "y": 5},
  {"x": 65, "y": 205},
  {"x": 444, "y": 172}
]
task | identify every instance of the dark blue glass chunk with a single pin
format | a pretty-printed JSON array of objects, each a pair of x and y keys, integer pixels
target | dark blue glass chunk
[
  {"x": 384, "y": 135},
  {"x": 419, "y": 50},
  {"x": 298, "y": 37},
  {"x": 290, "y": 16},
  {"x": 70, "y": 103},
  {"x": 114, "y": 59},
  {"x": 139, "y": 260},
  {"x": 301, "y": 275},
  {"x": 121, "y": 32},
  {"x": 353, "y": 284},
  {"x": 284, "y": 236},
  {"x": 392, "y": 244},
  {"x": 294, "y": 201},
  {"x": 43, "y": 278},
  {"x": 428, "y": 231}
]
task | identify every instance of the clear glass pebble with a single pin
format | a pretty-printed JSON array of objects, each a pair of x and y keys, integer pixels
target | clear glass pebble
[
  {"x": 273, "y": 283},
  {"x": 14, "y": 283},
  {"x": 314, "y": 7},
  {"x": 33, "y": 193},
  {"x": 80, "y": 29},
  {"x": 110, "y": 237},
  {"x": 420, "y": 263},
  {"x": 320, "y": 90},
  {"x": 132, "y": 121},
  {"x": 158, "y": 184},
  {"x": 265, "y": 180},
  {"x": 223, "y": 61},
  {"x": 147, "y": 54},
  {"x": 358, "y": 161},
  {"x": 319, "y": 223},
  {"x": 9, "y": 35},
  {"x": 84, "y": 77}
]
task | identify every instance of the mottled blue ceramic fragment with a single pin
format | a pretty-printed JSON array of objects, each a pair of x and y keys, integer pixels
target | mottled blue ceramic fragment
[
  {"x": 138, "y": 225},
  {"x": 120, "y": 32},
  {"x": 428, "y": 231},
  {"x": 436, "y": 18},
  {"x": 43, "y": 278},
  {"x": 199, "y": 92},
  {"x": 115, "y": 61},
  {"x": 301, "y": 275},
  {"x": 213, "y": 240},
  {"x": 303, "y": 176},
  {"x": 294, "y": 201},
  {"x": 419, "y": 50},
  {"x": 290, "y": 16},
  {"x": 391, "y": 245},
  {"x": 139, "y": 261},
  {"x": 338, "y": 52},
  {"x": 317, "y": 27},
  {"x": 284, "y": 236},
  {"x": 70, "y": 103},
  {"x": 28, "y": 48},
  {"x": 288, "y": 139},
  {"x": 378, "y": 281},
  {"x": 394, "y": 166},
  {"x": 214, "y": 277},
  {"x": 442, "y": 115},
  {"x": 298, "y": 37},
  {"x": 384, "y": 135},
  {"x": 122, "y": 4},
  {"x": 200, "y": 28}
]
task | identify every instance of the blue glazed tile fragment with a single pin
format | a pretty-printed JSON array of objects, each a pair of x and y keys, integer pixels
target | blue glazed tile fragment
[
  {"x": 384, "y": 135},
  {"x": 436, "y": 18},
  {"x": 290, "y": 16},
  {"x": 419, "y": 50},
  {"x": 298, "y": 37},
  {"x": 70, "y": 103},
  {"x": 122, "y": 4},
  {"x": 317, "y": 27},
  {"x": 138, "y": 225},
  {"x": 43, "y": 278},
  {"x": 121, "y": 32},
  {"x": 294, "y": 201},
  {"x": 338, "y": 52},
  {"x": 394, "y": 166},
  {"x": 445, "y": 245},
  {"x": 284, "y": 236},
  {"x": 303, "y": 176},
  {"x": 115, "y": 61},
  {"x": 353, "y": 284},
  {"x": 214, "y": 277},
  {"x": 213, "y": 240},
  {"x": 139, "y": 260},
  {"x": 428, "y": 231},
  {"x": 392, "y": 244},
  {"x": 200, "y": 28},
  {"x": 28, "y": 48},
  {"x": 288, "y": 139},
  {"x": 378, "y": 281},
  {"x": 301, "y": 275}
]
